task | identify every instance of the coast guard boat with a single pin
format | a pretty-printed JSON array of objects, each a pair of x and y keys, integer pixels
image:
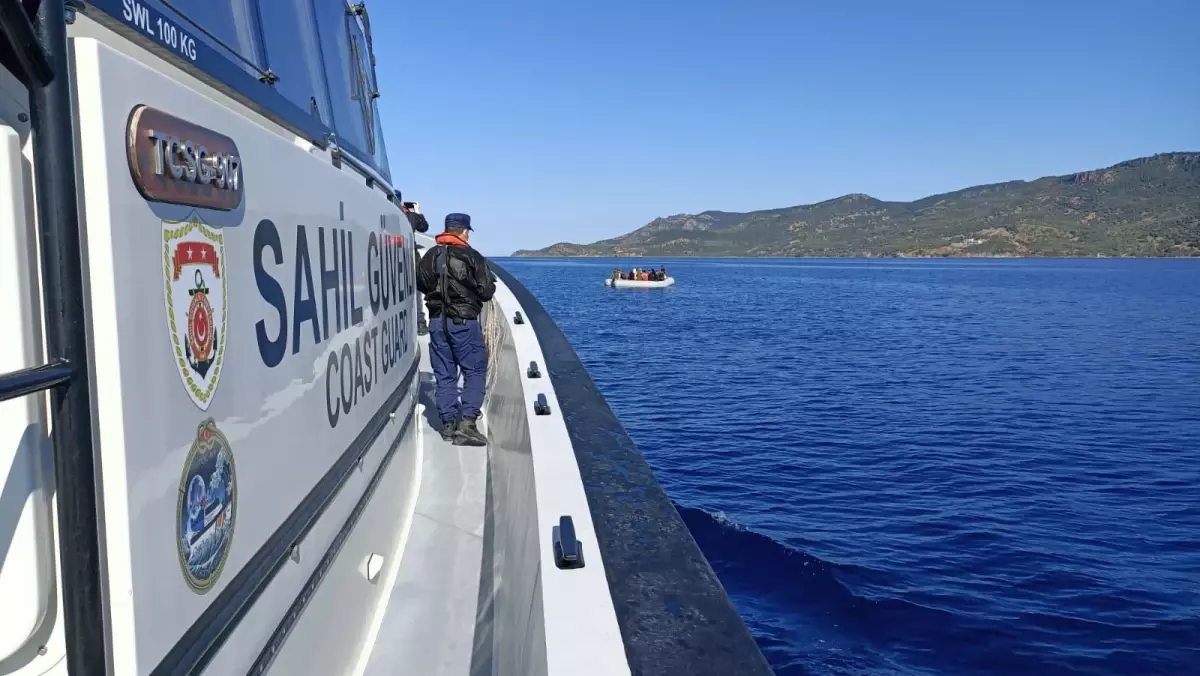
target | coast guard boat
[{"x": 215, "y": 444}]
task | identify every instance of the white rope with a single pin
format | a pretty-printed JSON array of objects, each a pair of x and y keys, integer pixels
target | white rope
[{"x": 495, "y": 330}]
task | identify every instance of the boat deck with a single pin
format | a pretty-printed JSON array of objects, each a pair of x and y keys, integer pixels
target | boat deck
[{"x": 429, "y": 624}]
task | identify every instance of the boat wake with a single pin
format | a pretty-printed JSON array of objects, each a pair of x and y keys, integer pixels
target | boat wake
[
  {"x": 809, "y": 615},
  {"x": 813, "y": 616},
  {"x": 750, "y": 560}
]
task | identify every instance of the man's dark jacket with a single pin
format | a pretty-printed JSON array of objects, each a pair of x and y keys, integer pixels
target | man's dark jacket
[{"x": 469, "y": 282}]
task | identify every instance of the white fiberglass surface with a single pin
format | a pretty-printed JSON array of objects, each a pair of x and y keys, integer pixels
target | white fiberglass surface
[
  {"x": 268, "y": 406},
  {"x": 428, "y": 626}
]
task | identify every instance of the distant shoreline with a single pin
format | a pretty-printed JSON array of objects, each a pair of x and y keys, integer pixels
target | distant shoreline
[{"x": 1147, "y": 207}]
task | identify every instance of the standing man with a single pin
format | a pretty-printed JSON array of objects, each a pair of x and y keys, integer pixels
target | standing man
[{"x": 456, "y": 282}]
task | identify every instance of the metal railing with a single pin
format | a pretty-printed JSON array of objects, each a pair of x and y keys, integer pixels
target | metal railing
[{"x": 38, "y": 52}]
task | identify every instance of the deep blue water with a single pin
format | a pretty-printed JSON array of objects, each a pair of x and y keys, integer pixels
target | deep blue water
[{"x": 921, "y": 466}]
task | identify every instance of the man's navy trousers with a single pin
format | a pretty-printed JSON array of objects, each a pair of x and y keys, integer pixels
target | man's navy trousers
[{"x": 462, "y": 350}]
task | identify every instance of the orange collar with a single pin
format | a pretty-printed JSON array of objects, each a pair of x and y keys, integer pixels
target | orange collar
[{"x": 452, "y": 240}]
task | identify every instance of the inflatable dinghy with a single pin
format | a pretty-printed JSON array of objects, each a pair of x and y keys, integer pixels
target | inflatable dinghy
[{"x": 638, "y": 284}]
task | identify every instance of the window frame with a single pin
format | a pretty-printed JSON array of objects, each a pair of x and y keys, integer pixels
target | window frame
[{"x": 228, "y": 72}]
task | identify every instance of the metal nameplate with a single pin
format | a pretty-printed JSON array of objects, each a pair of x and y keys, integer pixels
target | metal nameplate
[{"x": 172, "y": 160}]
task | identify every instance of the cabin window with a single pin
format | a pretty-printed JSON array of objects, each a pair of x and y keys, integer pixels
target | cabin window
[
  {"x": 380, "y": 152},
  {"x": 294, "y": 54},
  {"x": 319, "y": 53},
  {"x": 347, "y": 69},
  {"x": 362, "y": 85},
  {"x": 233, "y": 22}
]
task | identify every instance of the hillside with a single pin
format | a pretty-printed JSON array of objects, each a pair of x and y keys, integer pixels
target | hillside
[{"x": 1144, "y": 207}]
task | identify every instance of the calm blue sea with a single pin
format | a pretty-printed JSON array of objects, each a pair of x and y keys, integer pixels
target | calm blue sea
[{"x": 921, "y": 466}]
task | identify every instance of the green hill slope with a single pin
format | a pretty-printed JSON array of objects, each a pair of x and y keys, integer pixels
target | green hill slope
[{"x": 1144, "y": 207}]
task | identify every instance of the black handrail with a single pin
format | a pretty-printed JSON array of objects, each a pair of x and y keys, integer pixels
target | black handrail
[
  {"x": 66, "y": 344},
  {"x": 30, "y": 64},
  {"x": 34, "y": 379}
]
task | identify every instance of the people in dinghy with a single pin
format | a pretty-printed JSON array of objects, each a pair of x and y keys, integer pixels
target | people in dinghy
[{"x": 640, "y": 275}]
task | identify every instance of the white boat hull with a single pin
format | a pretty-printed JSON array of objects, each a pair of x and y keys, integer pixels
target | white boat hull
[{"x": 638, "y": 284}]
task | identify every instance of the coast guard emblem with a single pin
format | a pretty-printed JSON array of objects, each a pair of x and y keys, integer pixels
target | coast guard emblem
[
  {"x": 206, "y": 509},
  {"x": 194, "y": 283}
]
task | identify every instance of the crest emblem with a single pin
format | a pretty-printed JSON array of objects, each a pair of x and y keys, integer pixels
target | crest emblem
[
  {"x": 207, "y": 508},
  {"x": 194, "y": 277}
]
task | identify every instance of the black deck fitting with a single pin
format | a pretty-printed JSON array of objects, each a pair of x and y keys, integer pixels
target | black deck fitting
[
  {"x": 518, "y": 319},
  {"x": 533, "y": 371},
  {"x": 541, "y": 406},
  {"x": 568, "y": 552}
]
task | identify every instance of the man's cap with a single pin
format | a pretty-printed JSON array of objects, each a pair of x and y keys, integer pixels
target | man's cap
[{"x": 458, "y": 221}]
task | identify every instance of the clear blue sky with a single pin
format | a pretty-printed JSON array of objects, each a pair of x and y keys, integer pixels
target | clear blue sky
[{"x": 577, "y": 121}]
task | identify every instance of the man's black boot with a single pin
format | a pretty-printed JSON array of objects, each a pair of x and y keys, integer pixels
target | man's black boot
[
  {"x": 469, "y": 434},
  {"x": 449, "y": 430}
]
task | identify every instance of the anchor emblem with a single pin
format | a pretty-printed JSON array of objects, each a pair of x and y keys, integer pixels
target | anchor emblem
[{"x": 194, "y": 284}]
